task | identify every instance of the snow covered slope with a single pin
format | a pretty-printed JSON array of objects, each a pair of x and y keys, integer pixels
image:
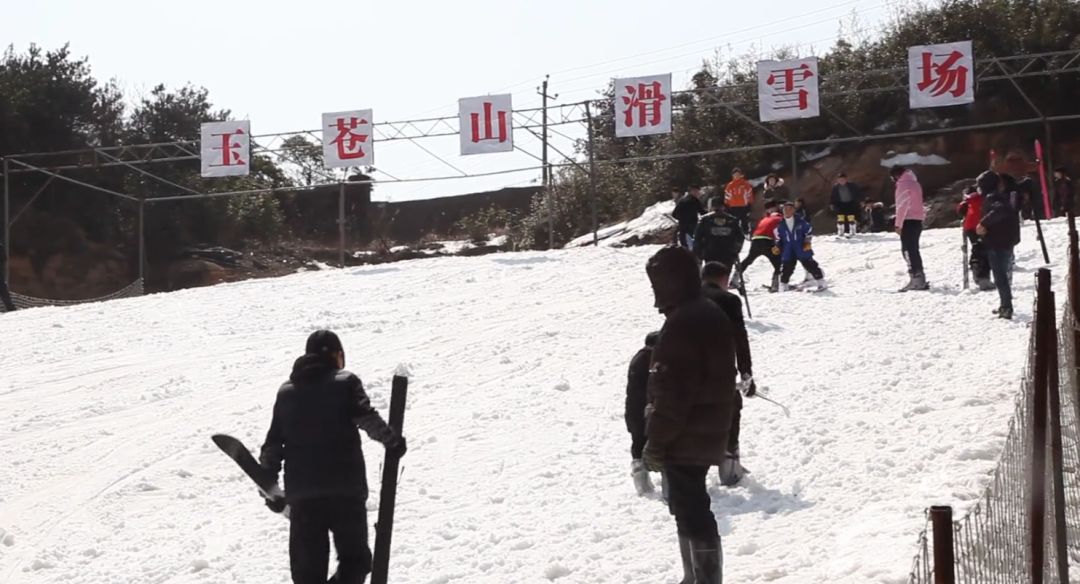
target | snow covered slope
[
  {"x": 518, "y": 466},
  {"x": 655, "y": 218}
]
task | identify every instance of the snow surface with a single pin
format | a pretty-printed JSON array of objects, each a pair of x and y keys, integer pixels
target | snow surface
[
  {"x": 913, "y": 159},
  {"x": 654, "y": 219},
  {"x": 518, "y": 465}
]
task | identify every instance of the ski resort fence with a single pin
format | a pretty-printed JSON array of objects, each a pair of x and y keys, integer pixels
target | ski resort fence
[{"x": 1025, "y": 527}]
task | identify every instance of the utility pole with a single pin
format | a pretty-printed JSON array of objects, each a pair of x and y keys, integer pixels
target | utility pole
[{"x": 545, "y": 168}]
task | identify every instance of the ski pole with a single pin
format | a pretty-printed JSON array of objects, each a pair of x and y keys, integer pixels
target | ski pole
[{"x": 784, "y": 408}]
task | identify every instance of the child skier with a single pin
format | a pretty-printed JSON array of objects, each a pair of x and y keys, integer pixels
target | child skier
[
  {"x": 971, "y": 209},
  {"x": 636, "y": 400},
  {"x": 793, "y": 236},
  {"x": 763, "y": 241}
]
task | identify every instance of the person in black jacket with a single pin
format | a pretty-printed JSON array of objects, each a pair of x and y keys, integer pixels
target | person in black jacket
[
  {"x": 1000, "y": 232},
  {"x": 1063, "y": 191},
  {"x": 714, "y": 285},
  {"x": 845, "y": 201},
  {"x": 719, "y": 236},
  {"x": 686, "y": 213},
  {"x": 636, "y": 399},
  {"x": 313, "y": 431},
  {"x": 691, "y": 400},
  {"x": 5, "y": 294}
]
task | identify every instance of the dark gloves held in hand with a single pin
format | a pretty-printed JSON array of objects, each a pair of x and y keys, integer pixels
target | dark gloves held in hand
[{"x": 396, "y": 446}]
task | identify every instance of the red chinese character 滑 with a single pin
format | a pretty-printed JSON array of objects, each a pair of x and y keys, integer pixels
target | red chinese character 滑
[
  {"x": 349, "y": 144},
  {"x": 487, "y": 133},
  {"x": 647, "y": 100},
  {"x": 791, "y": 91},
  {"x": 229, "y": 156},
  {"x": 944, "y": 76}
]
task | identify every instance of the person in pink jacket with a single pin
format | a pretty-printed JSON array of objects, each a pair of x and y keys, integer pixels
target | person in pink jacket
[{"x": 910, "y": 214}]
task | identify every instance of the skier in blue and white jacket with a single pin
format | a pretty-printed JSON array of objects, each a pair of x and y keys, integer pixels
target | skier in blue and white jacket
[{"x": 793, "y": 236}]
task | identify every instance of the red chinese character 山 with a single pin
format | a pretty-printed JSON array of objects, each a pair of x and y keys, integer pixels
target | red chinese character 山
[
  {"x": 941, "y": 74},
  {"x": 349, "y": 143},
  {"x": 488, "y": 130},
  {"x": 646, "y": 100},
  {"x": 791, "y": 92},
  {"x": 228, "y": 149}
]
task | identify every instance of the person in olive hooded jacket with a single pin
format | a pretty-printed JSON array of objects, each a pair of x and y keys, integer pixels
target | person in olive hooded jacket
[{"x": 691, "y": 402}]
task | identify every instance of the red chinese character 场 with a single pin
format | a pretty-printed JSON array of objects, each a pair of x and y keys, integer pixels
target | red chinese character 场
[
  {"x": 487, "y": 134},
  {"x": 349, "y": 144},
  {"x": 945, "y": 76},
  {"x": 647, "y": 100},
  {"x": 229, "y": 155},
  {"x": 791, "y": 91}
]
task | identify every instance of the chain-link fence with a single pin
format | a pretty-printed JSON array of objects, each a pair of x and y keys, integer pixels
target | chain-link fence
[
  {"x": 1025, "y": 526},
  {"x": 22, "y": 301}
]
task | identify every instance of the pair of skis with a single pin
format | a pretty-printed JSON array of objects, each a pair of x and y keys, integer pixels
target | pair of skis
[{"x": 269, "y": 488}]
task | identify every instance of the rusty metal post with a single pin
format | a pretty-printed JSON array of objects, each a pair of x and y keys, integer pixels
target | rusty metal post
[
  {"x": 7, "y": 224},
  {"x": 944, "y": 557},
  {"x": 794, "y": 186},
  {"x": 592, "y": 174},
  {"x": 1037, "y": 480},
  {"x": 142, "y": 241}
]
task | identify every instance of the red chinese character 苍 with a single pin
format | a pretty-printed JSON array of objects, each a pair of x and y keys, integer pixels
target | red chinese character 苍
[
  {"x": 646, "y": 100},
  {"x": 943, "y": 74},
  {"x": 791, "y": 93},
  {"x": 488, "y": 132},
  {"x": 229, "y": 155},
  {"x": 349, "y": 144}
]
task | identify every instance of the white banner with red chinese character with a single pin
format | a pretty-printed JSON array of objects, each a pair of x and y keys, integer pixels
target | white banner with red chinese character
[
  {"x": 224, "y": 148},
  {"x": 643, "y": 106},
  {"x": 348, "y": 139},
  {"x": 788, "y": 90},
  {"x": 486, "y": 124},
  {"x": 941, "y": 75}
]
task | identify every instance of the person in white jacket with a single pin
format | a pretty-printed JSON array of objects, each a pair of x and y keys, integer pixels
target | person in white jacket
[{"x": 910, "y": 214}]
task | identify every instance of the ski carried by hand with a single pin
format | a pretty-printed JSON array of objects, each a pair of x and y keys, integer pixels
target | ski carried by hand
[
  {"x": 236, "y": 450},
  {"x": 384, "y": 525}
]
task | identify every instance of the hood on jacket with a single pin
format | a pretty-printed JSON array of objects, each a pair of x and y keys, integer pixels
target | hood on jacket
[
  {"x": 312, "y": 366},
  {"x": 673, "y": 272},
  {"x": 651, "y": 338}
]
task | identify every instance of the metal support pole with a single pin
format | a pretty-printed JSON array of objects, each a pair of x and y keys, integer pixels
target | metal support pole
[
  {"x": 944, "y": 559},
  {"x": 341, "y": 225},
  {"x": 142, "y": 241},
  {"x": 545, "y": 170},
  {"x": 592, "y": 174},
  {"x": 1037, "y": 479},
  {"x": 794, "y": 186},
  {"x": 7, "y": 223},
  {"x": 1057, "y": 455}
]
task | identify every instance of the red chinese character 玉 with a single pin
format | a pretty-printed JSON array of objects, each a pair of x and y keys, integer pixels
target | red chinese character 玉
[
  {"x": 647, "y": 99},
  {"x": 792, "y": 91},
  {"x": 229, "y": 157},
  {"x": 944, "y": 75},
  {"x": 487, "y": 134},
  {"x": 349, "y": 144}
]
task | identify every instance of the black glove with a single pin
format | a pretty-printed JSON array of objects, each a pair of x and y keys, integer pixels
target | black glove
[
  {"x": 395, "y": 446},
  {"x": 653, "y": 457},
  {"x": 275, "y": 503}
]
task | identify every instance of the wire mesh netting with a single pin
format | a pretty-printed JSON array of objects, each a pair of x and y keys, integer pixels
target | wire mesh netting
[{"x": 22, "y": 301}]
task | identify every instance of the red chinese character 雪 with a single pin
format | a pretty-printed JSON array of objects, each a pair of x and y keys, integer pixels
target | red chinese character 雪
[{"x": 792, "y": 83}]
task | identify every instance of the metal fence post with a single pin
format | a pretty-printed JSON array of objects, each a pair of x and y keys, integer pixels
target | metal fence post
[
  {"x": 1037, "y": 479},
  {"x": 1057, "y": 456},
  {"x": 7, "y": 224},
  {"x": 944, "y": 556},
  {"x": 142, "y": 241}
]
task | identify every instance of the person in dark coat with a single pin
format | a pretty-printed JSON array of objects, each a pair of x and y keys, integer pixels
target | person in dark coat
[
  {"x": 845, "y": 202},
  {"x": 1063, "y": 191},
  {"x": 1000, "y": 232},
  {"x": 687, "y": 212},
  {"x": 313, "y": 431},
  {"x": 692, "y": 399},
  {"x": 5, "y": 294},
  {"x": 719, "y": 236},
  {"x": 636, "y": 400},
  {"x": 800, "y": 209},
  {"x": 714, "y": 285},
  {"x": 793, "y": 236}
]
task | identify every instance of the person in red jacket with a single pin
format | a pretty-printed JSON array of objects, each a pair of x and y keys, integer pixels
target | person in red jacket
[
  {"x": 763, "y": 242},
  {"x": 971, "y": 209}
]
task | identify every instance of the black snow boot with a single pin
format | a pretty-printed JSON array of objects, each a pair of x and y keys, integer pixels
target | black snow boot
[
  {"x": 708, "y": 561},
  {"x": 687, "y": 560}
]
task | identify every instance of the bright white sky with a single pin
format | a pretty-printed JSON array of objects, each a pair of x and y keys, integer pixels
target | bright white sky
[{"x": 282, "y": 63}]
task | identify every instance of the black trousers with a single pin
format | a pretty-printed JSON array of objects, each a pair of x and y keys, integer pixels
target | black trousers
[
  {"x": 736, "y": 419},
  {"x": 978, "y": 262},
  {"x": 5, "y": 297},
  {"x": 689, "y": 501},
  {"x": 743, "y": 215},
  {"x": 309, "y": 542},
  {"x": 758, "y": 248},
  {"x": 1000, "y": 263},
  {"x": 808, "y": 264},
  {"x": 909, "y": 245}
]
